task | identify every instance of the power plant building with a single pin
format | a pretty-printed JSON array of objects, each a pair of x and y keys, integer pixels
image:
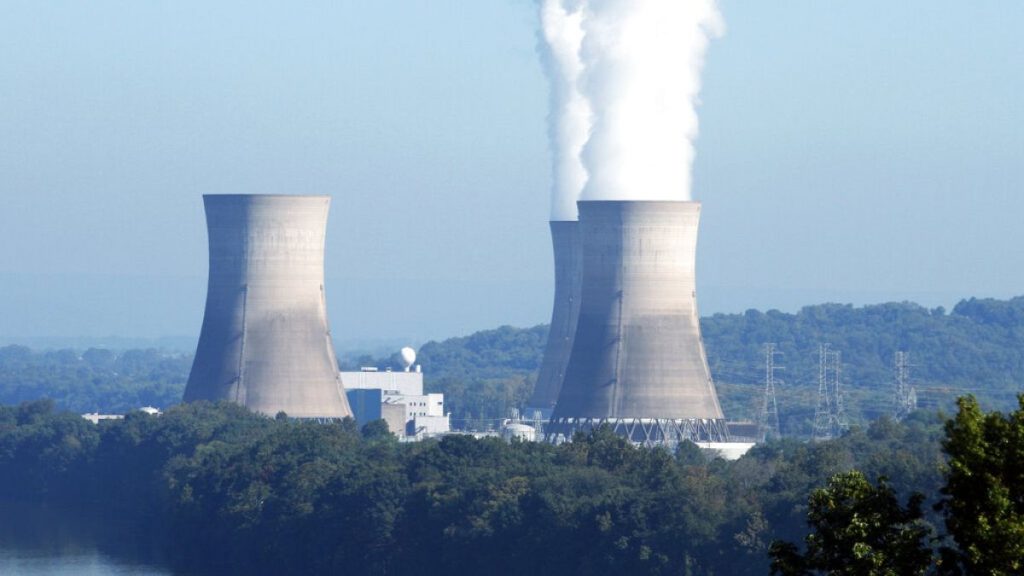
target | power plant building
[
  {"x": 265, "y": 341},
  {"x": 398, "y": 399},
  {"x": 637, "y": 362}
]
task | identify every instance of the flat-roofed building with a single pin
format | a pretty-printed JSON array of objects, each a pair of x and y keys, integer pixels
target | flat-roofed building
[{"x": 396, "y": 396}]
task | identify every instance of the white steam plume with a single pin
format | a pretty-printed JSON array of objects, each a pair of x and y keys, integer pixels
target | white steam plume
[
  {"x": 642, "y": 61},
  {"x": 569, "y": 117}
]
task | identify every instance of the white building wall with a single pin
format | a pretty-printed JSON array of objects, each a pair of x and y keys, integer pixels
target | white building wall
[
  {"x": 392, "y": 383},
  {"x": 431, "y": 425},
  {"x": 423, "y": 412}
]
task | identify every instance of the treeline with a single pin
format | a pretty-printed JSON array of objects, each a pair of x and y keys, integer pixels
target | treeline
[
  {"x": 96, "y": 380},
  {"x": 217, "y": 489},
  {"x": 977, "y": 348}
]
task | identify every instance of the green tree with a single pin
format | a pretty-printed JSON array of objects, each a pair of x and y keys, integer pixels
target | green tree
[
  {"x": 376, "y": 429},
  {"x": 858, "y": 530},
  {"x": 983, "y": 500}
]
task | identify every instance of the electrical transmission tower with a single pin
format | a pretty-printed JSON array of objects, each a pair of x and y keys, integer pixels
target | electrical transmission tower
[
  {"x": 840, "y": 423},
  {"x": 830, "y": 414},
  {"x": 768, "y": 423},
  {"x": 905, "y": 397},
  {"x": 823, "y": 410}
]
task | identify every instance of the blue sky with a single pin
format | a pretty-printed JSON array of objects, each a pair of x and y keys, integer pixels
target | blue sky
[{"x": 849, "y": 151}]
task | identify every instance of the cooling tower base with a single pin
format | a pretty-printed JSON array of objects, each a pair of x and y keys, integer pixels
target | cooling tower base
[{"x": 642, "y": 431}]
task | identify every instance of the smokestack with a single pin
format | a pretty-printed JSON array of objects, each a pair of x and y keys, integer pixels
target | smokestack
[
  {"x": 637, "y": 360},
  {"x": 566, "y": 242},
  {"x": 265, "y": 341}
]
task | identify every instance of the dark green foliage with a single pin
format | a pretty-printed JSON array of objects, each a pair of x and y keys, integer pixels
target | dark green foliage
[
  {"x": 219, "y": 489},
  {"x": 983, "y": 500},
  {"x": 858, "y": 530},
  {"x": 43, "y": 453},
  {"x": 376, "y": 430}
]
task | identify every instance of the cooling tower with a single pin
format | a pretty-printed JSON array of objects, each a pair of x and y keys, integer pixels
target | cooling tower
[
  {"x": 566, "y": 243},
  {"x": 637, "y": 361},
  {"x": 265, "y": 341}
]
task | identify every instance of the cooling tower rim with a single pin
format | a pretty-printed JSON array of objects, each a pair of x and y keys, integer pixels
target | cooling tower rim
[
  {"x": 266, "y": 196},
  {"x": 601, "y": 209},
  {"x": 636, "y": 203}
]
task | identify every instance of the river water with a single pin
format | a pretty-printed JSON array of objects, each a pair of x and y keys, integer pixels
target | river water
[{"x": 44, "y": 541}]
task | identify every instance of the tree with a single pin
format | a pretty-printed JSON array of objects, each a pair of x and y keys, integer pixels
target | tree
[
  {"x": 376, "y": 429},
  {"x": 858, "y": 529},
  {"x": 983, "y": 499}
]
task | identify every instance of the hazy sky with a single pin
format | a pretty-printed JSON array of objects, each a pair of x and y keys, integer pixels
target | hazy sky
[{"x": 849, "y": 151}]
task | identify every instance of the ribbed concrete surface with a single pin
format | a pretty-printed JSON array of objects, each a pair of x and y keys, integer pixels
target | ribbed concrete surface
[
  {"x": 566, "y": 243},
  {"x": 637, "y": 352},
  {"x": 265, "y": 341}
]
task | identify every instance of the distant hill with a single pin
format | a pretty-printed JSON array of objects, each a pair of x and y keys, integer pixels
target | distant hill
[{"x": 978, "y": 347}]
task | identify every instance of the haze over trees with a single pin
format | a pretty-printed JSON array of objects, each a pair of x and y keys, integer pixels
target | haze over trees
[{"x": 977, "y": 348}]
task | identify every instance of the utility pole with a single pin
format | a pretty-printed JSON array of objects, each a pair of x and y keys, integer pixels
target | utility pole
[
  {"x": 823, "y": 411},
  {"x": 768, "y": 423}
]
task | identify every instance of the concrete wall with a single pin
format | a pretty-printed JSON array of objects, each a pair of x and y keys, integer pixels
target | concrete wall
[
  {"x": 395, "y": 383},
  {"x": 396, "y": 417},
  {"x": 637, "y": 351},
  {"x": 265, "y": 341},
  {"x": 429, "y": 425},
  {"x": 565, "y": 311}
]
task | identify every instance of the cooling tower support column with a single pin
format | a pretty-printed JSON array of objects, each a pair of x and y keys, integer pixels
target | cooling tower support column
[
  {"x": 265, "y": 341},
  {"x": 566, "y": 243},
  {"x": 637, "y": 361}
]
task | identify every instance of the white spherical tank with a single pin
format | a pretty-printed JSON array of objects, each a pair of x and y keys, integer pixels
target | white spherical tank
[{"x": 408, "y": 357}]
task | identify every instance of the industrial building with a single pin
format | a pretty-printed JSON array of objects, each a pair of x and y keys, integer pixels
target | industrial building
[
  {"x": 265, "y": 341},
  {"x": 396, "y": 397},
  {"x": 637, "y": 362}
]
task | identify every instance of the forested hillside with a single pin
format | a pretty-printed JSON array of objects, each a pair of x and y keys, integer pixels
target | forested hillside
[{"x": 978, "y": 347}]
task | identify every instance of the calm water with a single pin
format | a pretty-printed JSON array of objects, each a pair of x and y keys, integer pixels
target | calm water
[
  {"x": 38, "y": 541},
  {"x": 86, "y": 563}
]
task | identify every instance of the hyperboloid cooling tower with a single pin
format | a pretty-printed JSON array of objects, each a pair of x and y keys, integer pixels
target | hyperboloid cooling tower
[
  {"x": 265, "y": 341},
  {"x": 566, "y": 242},
  {"x": 637, "y": 361}
]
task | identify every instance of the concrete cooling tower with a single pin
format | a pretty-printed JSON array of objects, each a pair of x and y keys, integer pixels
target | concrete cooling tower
[
  {"x": 265, "y": 341},
  {"x": 637, "y": 361},
  {"x": 566, "y": 242}
]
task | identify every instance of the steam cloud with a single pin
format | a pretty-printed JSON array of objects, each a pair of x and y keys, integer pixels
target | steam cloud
[
  {"x": 637, "y": 71},
  {"x": 569, "y": 119}
]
